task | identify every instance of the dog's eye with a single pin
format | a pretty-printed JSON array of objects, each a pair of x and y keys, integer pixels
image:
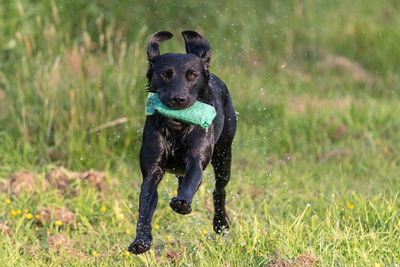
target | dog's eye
[
  {"x": 191, "y": 76},
  {"x": 167, "y": 74}
]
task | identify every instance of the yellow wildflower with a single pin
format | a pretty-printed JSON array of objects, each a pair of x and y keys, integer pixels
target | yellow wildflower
[
  {"x": 26, "y": 211},
  {"x": 168, "y": 238},
  {"x": 28, "y": 216},
  {"x": 174, "y": 193},
  {"x": 127, "y": 231},
  {"x": 95, "y": 254},
  {"x": 204, "y": 231},
  {"x": 8, "y": 201},
  {"x": 398, "y": 223},
  {"x": 37, "y": 228},
  {"x": 126, "y": 253},
  {"x": 386, "y": 149},
  {"x": 13, "y": 213},
  {"x": 59, "y": 223},
  {"x": 18, "y": 211},
  {"x": 350, "y": 206},
  {"x": 156, "y": 226},
  {"x": 37, "y": 216},
  {"x": 103, "y": 208},
  {"x": 377, "y": 264}
]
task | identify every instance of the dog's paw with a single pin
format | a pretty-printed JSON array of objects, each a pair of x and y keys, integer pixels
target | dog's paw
[
  {"x": 139, "y": 246},
  {"x": 180, "y": 206},
  {"x": 221, "y": 224}
]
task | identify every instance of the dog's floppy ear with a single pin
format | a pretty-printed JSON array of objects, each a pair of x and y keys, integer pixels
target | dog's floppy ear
[
  {"x": 197, "y": 45},
  {"x": 154, "y": 43}
]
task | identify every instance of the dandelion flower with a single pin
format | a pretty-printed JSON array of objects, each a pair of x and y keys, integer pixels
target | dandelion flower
[
  {"x": 18, "y": 211},
  {"x": 126, "y": 253},
  {"x": 156, "y": 226},
  {"x": 59, "y": 223},
  {"x": 103, "y": 208},
  {"x": 8, "y": 201},
  {"x": 13, "y": 213},
  {"x": 350, "y": 206},
  {"x": 28, "y": 216},
  {"x": 168, "y": 238},
  {"x": 127, "y": 231},
  {"x": 204, "y": 231},
  {"x": 95, "y": 254},
  {"x": 377, "y": 264},
  {"x": 37, "y": 216},
  {"x": 26, "y": 211}
]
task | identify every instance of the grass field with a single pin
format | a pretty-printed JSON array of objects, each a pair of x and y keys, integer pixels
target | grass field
[{"x": 316, "y": 163}]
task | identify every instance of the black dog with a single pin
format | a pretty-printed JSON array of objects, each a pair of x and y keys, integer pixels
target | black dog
[{"x": 181, "y": 148}]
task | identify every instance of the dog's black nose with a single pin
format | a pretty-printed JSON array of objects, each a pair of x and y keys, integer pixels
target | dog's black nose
[{"x": 177, "y": 100}]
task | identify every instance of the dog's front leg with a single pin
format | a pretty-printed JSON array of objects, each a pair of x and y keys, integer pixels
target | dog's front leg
[
  {"x": 147, "y": 205},
  {"x": 152, "y": 158},
  {"x": 188, "y": 187}
]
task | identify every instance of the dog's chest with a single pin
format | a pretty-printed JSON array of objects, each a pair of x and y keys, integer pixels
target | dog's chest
[
  {"x": 176, "y": 158},
  {"x": 176, "y": 150}
]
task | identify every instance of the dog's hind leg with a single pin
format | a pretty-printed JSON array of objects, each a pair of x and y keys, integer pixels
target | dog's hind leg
[{"x": 221, "y": 161}]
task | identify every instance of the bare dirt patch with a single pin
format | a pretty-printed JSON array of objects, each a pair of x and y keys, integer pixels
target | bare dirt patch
[
  {"x": 5, "y": 229},
  {"x": 304, "y": 260},
  {"x": 66, "y": 181},
  {"x": 32, "y": 250},
  {"x": 60, "y": 241},
  {"x": 301, "y": 105},
  {"x": 336, "y": 154},
  {"x": 59, "y": 214},
  {"x": 337, "y": 62},
  {"x": 61, "y": 178},
  {"x": 173, "y": 255},
  {"x": 96, "y": 179},
  {"x": 340, "y": 131},
  {"x": 256, "y": 191},
  {"x": 23, "y": 181}
]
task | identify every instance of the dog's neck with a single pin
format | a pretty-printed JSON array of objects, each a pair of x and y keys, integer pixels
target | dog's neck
[{"x": 203, "y": 94}]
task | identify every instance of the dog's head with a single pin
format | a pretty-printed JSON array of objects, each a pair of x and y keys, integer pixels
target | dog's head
[{"x": 178, "y": 79}]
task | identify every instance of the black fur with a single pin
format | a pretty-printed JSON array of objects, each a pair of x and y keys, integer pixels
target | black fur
[{"x": 181, "y": 148}]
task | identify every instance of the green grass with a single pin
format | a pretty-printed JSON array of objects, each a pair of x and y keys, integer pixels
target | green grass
[{"x": 316, "y": 156}]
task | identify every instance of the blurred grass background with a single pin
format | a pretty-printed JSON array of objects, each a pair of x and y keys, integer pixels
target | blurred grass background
[{"x": 316, "y": 85}]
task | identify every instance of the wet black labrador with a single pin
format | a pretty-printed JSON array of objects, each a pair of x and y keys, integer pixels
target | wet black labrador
[{"x": 181, "y": 148}]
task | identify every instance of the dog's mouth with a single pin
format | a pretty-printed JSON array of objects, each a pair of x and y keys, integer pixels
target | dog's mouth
[
  {"x": 179, "y": 106},
  {"x": 174, "y": 124}
]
